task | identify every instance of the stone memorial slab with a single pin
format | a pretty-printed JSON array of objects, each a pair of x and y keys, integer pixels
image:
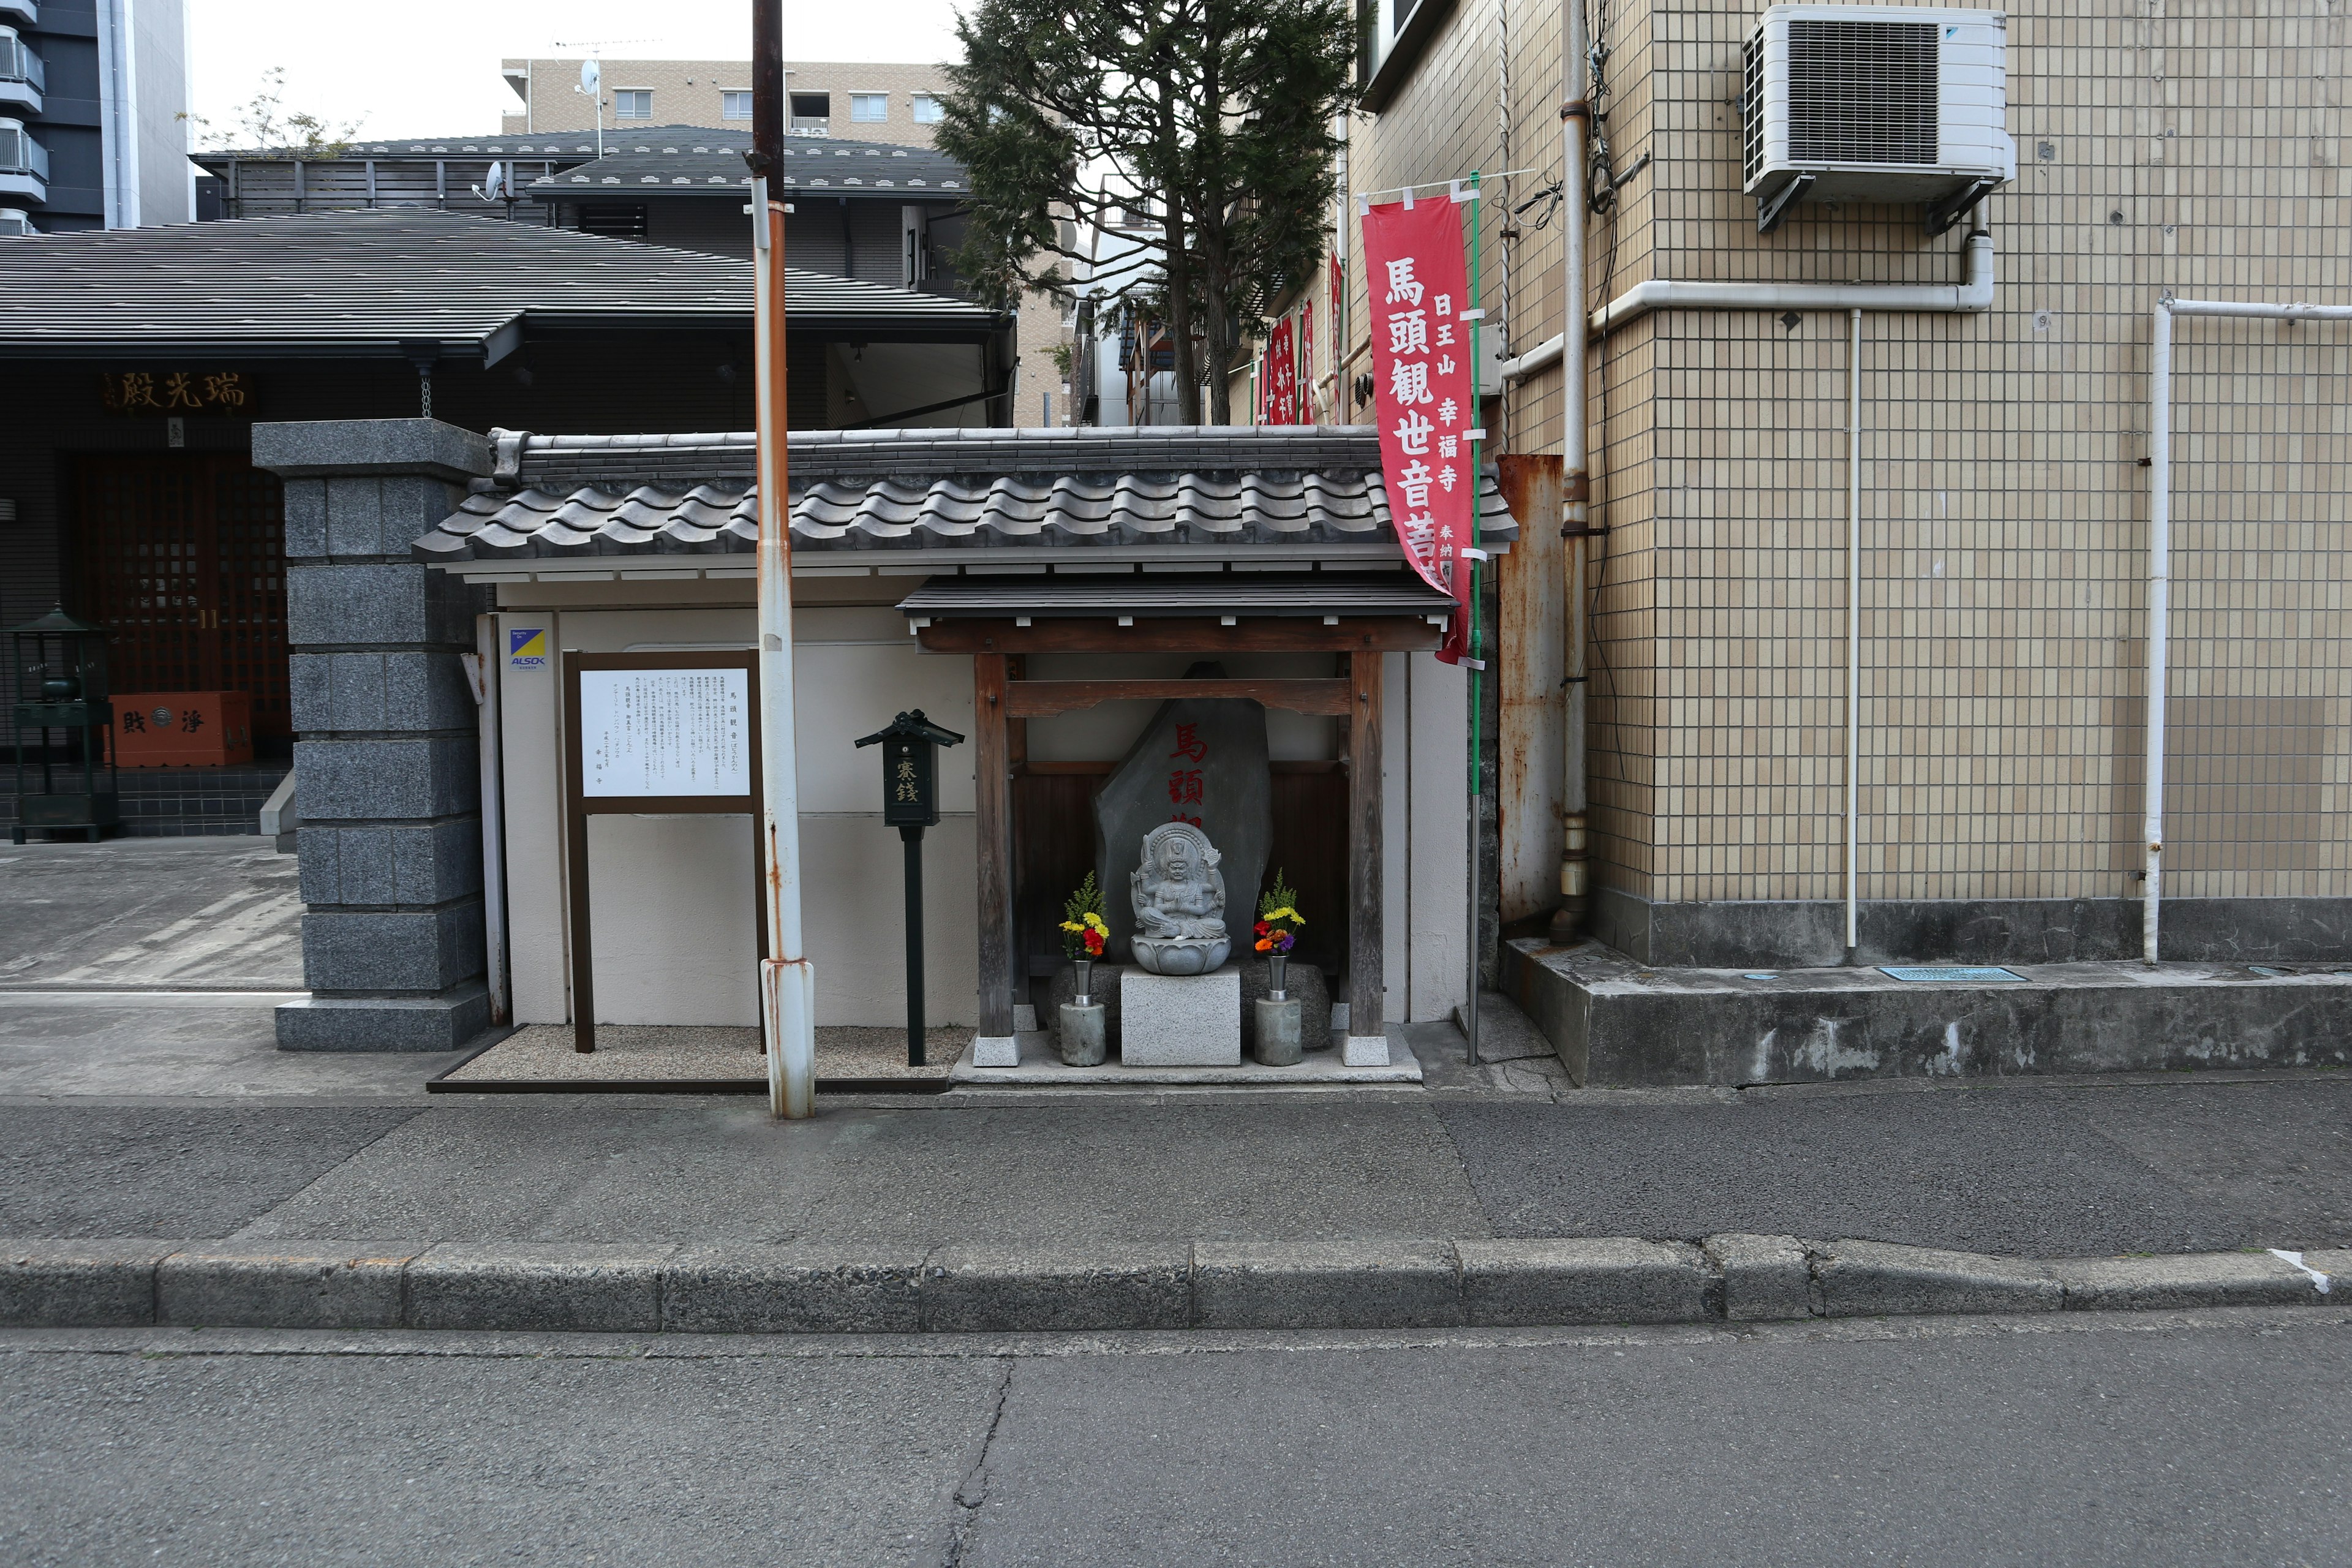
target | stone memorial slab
[
  {"x": 1201, "y": 761},
  {"x": 1181, "y": 1020}
]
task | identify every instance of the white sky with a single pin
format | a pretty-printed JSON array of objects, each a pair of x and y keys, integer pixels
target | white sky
[{"x": 431, "y": 67}]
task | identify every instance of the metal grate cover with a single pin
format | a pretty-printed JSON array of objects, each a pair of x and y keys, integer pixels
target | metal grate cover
[
  {"x": 1948, "y": 973},
  {"x": 1861, "y": 92}
]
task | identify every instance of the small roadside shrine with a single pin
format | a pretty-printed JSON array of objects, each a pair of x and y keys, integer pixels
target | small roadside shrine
[{"x": 1133, "y": 626}]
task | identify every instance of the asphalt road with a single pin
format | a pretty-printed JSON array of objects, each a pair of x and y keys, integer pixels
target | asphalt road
[{"x": 2192, "y": 1439}]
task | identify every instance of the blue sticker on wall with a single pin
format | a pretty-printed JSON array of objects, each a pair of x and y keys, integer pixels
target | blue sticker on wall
[{"x": 527, "y": 647}]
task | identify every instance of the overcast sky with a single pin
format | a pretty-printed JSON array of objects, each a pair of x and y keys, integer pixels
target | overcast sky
[{"x": 431, "y": 67}]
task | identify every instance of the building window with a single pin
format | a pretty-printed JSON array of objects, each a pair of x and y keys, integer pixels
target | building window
[
  {"x": 927, "y": 109},
  {"x": 870, "y": 107},
  {"x": 734, "y": 106},
  {"x": 812, "y": 113},
  {"x": 633, "y": 103}
]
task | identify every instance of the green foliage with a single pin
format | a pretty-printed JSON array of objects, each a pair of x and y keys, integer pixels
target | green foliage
[
  {"x": 1083, "y": 931},
  {"x": 265, "y": 125},
  {"x": 1211, "y": 122}
]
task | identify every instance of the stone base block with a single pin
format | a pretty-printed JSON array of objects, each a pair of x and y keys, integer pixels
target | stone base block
[
  {"x": 996, "y": 1052},
  {"x": 1181, "y": 1020},
  {"x": 438, "y": 1023},
  {"x": 1364, "y": 1050},
  {"x": 1616, "y": 1023}
]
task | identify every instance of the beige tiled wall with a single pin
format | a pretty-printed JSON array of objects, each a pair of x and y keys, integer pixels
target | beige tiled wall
[
  {"x": 2191, "y": 147},
  {"x": 686, "y": 92}
]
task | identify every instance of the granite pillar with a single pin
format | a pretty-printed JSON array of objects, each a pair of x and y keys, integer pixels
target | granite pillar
[{"x": 386, "y": 776}]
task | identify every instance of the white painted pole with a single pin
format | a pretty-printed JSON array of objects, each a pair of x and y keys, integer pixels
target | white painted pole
[
  {"x": 2159, "y": 562},
  {"x": 1853, "y": 632},
  {"x": 787, "y": 982},
  {"x": 2159, "y": 615},
  {"x": 1568, "y": 920}
]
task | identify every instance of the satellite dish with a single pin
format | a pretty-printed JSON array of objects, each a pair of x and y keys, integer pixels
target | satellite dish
[
  {"x": 494, "y": 185},
  {"x": 592, "y": 77}
]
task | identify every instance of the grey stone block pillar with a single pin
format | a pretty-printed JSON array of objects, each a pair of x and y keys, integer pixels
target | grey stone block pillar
[{"x": 386, "y": 775}]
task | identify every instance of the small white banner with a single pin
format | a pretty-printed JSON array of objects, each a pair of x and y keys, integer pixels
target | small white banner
[{"x": 664, "y": 733}]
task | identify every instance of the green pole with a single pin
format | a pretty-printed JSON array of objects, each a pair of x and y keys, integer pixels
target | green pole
[{"x": 1472, "y": 641}]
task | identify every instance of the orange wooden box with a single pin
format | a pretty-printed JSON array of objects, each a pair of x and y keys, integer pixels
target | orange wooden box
[{"x": 183, "y": 728}]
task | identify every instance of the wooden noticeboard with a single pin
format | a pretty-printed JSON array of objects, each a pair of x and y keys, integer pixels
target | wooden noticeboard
[{"x": 655, "y": 734}]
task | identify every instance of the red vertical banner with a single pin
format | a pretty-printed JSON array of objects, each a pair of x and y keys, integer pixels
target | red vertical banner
[
  {"x": 1306, "y": 362},
  {"x": 1416, "y": 288},
  {"x": 1282, "y": 372}
]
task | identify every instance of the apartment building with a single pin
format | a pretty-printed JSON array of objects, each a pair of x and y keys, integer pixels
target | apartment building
[
  {"x": 1869, "y": 668},
  {"x": 896, "y": 104},
  {"x": 90, "y": 94}
]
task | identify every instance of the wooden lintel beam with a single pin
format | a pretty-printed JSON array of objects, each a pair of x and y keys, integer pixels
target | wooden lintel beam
[
  {"x": 1043, "y": 699},
  {"x": 1272, "y": 634}
]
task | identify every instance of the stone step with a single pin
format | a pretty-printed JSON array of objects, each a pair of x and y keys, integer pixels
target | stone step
[{"x": 1616, "y": 1023}]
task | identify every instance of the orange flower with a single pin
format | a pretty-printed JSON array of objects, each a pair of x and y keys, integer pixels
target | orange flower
[{"x": 1265, "y": 944}]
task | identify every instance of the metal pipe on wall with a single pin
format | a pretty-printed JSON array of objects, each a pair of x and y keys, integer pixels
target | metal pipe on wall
[
  {"x": 1575, "y": 478},
  {"x": 1852, "y": 629},
  {"x": 787, "y": 981},
  {"x": 484, "y": 676},
  {"x": 2159, "y": 566}
]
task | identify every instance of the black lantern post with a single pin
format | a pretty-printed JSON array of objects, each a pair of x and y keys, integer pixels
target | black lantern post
[
  {"x": 59, "y": 665},
  {"x": 910, "y": 802}
]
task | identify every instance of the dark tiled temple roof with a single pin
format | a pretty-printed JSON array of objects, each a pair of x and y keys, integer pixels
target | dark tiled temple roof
[
  {"x": 357, "y": 283},
  {"x": 563, "y": 496},
  {"x": 836, "y": 168}
]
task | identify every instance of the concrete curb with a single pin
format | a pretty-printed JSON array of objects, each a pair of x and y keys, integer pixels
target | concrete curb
[{"x": 828, "y": 1288}]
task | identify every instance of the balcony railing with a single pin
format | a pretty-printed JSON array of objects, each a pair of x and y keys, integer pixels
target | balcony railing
[
  {"x": 18, "y": 63},
  {"x": 20, "y": 155}
]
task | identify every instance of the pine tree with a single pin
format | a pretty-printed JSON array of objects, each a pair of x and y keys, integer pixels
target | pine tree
[{"x": 1213, "y": 119}]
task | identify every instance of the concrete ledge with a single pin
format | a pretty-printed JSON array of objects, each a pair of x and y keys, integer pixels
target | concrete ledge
[
  {"x": 558, "y": 1286},
  {"x": 2200, "y": 1280},
  {"x": 273, "y": 1285},
  {"x": 79, "y": 1284},
  {"x": 1765, "y": 1279},
  {"x": 314, "y": 447},
  {"x": 748, "y": 1290},
  {"x": 439, "y": 1022},
  {"x": 1519, "y": 1283},
  {"x": 842, "y": 1288},
  {"x": 1617, "y": 1023},
  {"x": 1325, "y": 1285},
  {"x": 1875, "y": 1278},
  {"x": 1135, "y": 1285}
]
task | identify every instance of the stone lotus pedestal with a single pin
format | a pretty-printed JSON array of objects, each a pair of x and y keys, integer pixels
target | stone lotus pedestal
[{"x": 1181, "y": 1020}]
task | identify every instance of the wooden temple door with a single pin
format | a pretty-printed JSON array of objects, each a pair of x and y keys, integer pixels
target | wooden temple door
[{"x": 182, "y": 556}]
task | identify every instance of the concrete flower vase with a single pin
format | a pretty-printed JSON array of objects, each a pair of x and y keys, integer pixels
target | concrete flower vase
[
  {"x": 1280, "y": 1036},
  {"x": 1085, "y": 1040}
]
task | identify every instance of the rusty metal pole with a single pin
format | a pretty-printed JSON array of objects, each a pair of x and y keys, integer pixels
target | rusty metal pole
[
  {"x": 1575, "y": 476},
  {"x": 787, "y": 982}
]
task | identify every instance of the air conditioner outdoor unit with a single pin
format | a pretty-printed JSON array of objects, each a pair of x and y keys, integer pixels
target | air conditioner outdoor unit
[{"x": 1876, "y": 104}]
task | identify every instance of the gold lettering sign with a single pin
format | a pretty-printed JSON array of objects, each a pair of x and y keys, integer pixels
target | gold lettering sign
[{"x": 228, "y": 394}]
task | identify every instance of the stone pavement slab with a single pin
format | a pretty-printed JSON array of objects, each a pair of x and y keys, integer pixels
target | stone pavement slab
[
  {"x": 2032, "y": 1170},
  {"x": 615, "y": 1168},
  {"x": 101, "y": 1171}
]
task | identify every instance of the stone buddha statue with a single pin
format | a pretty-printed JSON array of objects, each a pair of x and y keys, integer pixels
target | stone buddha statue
[{"x": 1180, "y": 903}]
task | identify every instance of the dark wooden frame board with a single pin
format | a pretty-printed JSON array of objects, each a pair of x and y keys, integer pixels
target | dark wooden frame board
[{"x": 578, "y": 806}]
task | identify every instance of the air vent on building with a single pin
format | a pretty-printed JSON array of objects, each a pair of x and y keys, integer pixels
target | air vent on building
[
  {"x": 1855, "y": 103},
  {"x": 613, "y": 220}
]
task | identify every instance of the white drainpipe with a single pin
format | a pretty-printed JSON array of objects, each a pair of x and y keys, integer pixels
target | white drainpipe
[
  {"x": 2159, "y": 562},
  {"x": 1970, "y": 297}
]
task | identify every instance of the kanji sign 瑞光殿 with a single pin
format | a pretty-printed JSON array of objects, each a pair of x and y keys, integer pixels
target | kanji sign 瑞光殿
[{"x": 1416, "y": 291}]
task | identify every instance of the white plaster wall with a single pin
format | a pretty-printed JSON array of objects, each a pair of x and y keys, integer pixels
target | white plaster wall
[{"x": 672, "y": 897}]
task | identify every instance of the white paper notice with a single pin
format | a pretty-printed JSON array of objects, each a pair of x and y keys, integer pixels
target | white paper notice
[{"x": 664, "y": 733}]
